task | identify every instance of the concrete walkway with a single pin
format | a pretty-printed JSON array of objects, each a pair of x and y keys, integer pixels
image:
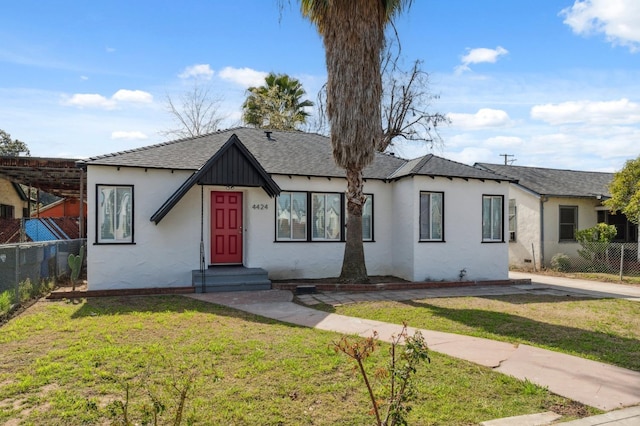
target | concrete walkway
[{"x": 593, "y": 383}]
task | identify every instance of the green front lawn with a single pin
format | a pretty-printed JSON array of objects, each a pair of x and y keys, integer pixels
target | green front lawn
[
  {"x": 606, "y": 330},
  {"x": 72, "y": 364}
]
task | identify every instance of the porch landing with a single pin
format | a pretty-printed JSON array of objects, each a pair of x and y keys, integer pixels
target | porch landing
[{"x": 230, "y": 278}]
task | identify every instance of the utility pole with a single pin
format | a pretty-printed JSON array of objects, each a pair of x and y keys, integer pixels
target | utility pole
[{"x": 507, "y": 162}]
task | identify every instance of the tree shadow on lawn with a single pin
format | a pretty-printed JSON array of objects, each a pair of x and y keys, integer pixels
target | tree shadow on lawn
[
  {"x": 605, "y": 347},
  {"x": 124, "y": 305}
]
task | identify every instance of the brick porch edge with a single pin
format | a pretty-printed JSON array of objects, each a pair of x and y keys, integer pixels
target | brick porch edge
[{"x": 287, "y": 286}]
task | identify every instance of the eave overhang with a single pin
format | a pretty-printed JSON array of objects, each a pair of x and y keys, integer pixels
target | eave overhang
[{"x": 232, "y": 165}]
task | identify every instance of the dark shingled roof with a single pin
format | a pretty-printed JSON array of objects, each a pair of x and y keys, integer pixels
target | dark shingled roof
[
  {"x": 284, "y": 153},
  {"x": 556, "y": 182},
  {"x": 432, "y": 165}
]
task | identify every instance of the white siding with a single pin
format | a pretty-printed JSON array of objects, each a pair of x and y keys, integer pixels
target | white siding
[
  {"x": 404, "y": 227},
  {"x": 528, "y": 235},
  {"x": 165, "y": 254},
  {"x": 463, "y": 247},
  {"x": 526, "y": 249}
]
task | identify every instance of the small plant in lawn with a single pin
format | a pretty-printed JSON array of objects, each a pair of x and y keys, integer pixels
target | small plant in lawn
[
  {"x": 530, "y": 388},
  {"x": 156, "y": 398},
  {"x": 402, "y": 366}
]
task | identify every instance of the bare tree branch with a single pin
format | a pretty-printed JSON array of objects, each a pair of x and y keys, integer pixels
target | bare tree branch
[
  {"x": 197, "y": 113},
  {"x": 405, "y": 102}
]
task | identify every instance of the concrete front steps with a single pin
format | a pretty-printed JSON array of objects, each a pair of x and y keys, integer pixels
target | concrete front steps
[{"x": 230, "y": 278}]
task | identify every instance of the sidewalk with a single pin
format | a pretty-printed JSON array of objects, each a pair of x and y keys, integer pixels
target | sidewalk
[
  {"x": 585, "y": 287},
  {"x": 593, "y": 383}
]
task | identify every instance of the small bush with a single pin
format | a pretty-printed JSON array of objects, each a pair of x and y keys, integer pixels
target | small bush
[
  {"x": 560, "y": 262},
  {"x": 25, "y": 290},
  {"x": 6, "y": 299}
]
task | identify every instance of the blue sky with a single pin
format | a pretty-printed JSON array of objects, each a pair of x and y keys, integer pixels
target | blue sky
[{"x": 556, "y": 83}]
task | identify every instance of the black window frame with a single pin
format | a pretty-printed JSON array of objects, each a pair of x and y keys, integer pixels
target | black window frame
[
  {"x": 574, "y": 224},
  {"x": 309, "y": 225},
  {"x": 492, "y": 240},
  {"x": 7, "y": 211},
  {"x": 99, "y": 239},
  {"x": 431, "y": 240}
]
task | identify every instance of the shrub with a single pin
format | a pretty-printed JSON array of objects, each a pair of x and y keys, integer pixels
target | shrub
[
  {"x": 25, "y": 290},
  {"x": 595, "y": 241},
  {"x": 402, "y": 367},
  {"x": 6, "y": 299},
  {"x": 560, "y": 262}
]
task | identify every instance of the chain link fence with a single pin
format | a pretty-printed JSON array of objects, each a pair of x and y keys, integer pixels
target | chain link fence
[
  {"x": 621, "y": 259},
  {"x": 31, "y": 269}
]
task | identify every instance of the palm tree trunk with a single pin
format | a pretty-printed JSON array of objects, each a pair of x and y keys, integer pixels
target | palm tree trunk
[
  {"x": 354, "y": 268},
  {"x": 354, "y": 88}
]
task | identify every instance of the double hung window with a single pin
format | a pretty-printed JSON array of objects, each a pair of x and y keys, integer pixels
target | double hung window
[
  {"x": 568, "y": 223},
  {"x": 492, "y": 218},
  {"x": 431, "y": 216}
]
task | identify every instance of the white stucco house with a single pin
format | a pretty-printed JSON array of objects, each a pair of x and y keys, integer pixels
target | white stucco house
[
  {"x": 546, "y": 207},
  {"x": 160, "y": 215}
]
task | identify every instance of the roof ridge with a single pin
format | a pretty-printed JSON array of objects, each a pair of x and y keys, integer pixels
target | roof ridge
[
  {"x": 423, "y": 161},
  {"x": 481, "y": 166},
  {"x": 165, "y": 143},
  {"x": 547, "y": 168}
]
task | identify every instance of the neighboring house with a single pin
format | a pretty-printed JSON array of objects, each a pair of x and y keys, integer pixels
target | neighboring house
[
  {"x": 38, "y": 229},
  {"x": 13, "y": 200},
  {"x": 275, "y": 200},
  {"x": 65, "y": 207},
  {"x": 547, "y": 206}
]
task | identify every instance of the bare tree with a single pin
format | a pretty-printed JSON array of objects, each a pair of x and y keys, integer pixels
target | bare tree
[
  {"x": 406, "y": 99},
  {"x": 196, "y": 113}
]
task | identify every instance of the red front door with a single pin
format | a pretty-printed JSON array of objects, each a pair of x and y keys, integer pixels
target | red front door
[{"x": 226, "y": 227}]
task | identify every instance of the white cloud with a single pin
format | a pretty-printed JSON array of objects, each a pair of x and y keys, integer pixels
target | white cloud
[
  {"x": 245, "y": 77},
  {"x": 485, "y": 117},
  {"x": 135, "y": 135},
  {"x": 124, "y": 95},
  {"x": 110, "y": 49},
  {"x": 504, "y": 142},
  {"x": 84, "y": 78},
  {"x": 89, "y": 100},
  {"x": 618, "y": 20},
  {"x": 620, "y": 111},
  {"x": 472, "y": 155},
  {"x": 94, "y": 100},
  {"x": 197, "y": 71},
  {"x": 480, "y": 55}
]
